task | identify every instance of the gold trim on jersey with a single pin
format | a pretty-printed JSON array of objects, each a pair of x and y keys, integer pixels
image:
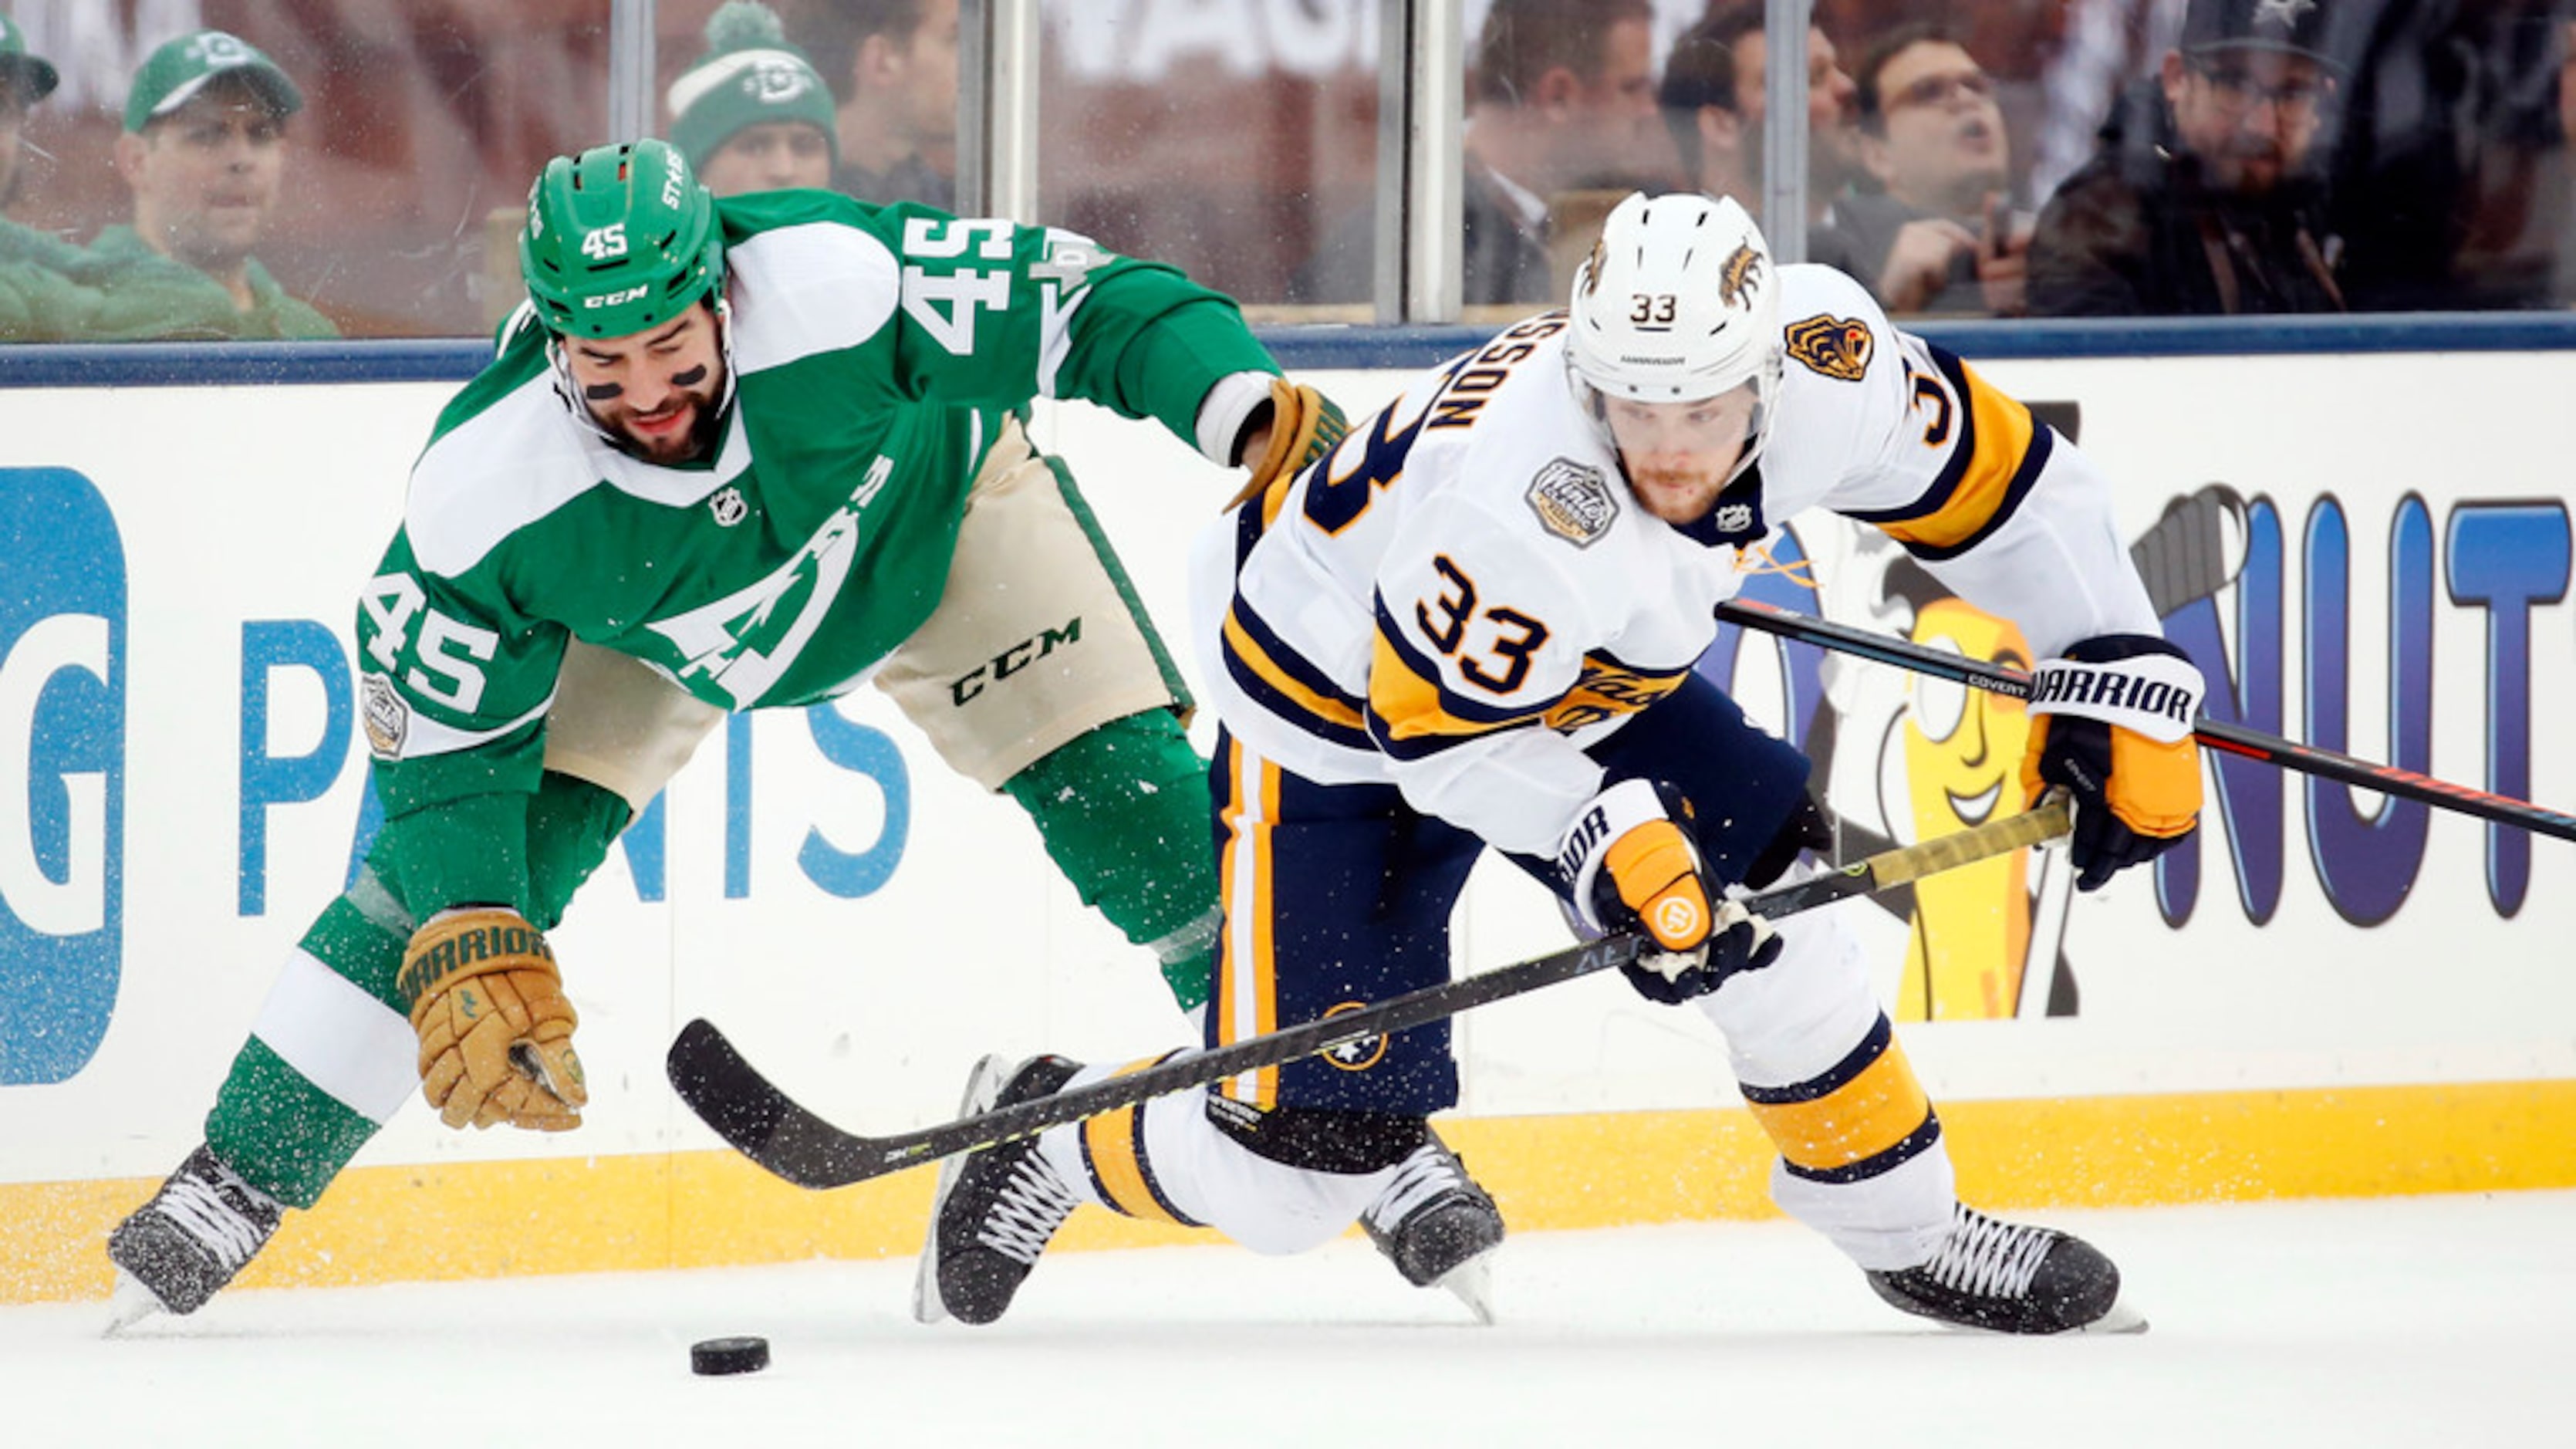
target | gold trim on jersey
[
  {"x": 1607, "y": 689},
  {"x": 1409, "y": 704},
  {"x": 1246, "y": 650},
  {"x": 1987, "y": 472}
]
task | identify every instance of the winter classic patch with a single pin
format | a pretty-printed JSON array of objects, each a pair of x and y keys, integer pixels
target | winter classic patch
[
  {"x": 387, "y": 718},
  {"x": 1573, "y": 502}
]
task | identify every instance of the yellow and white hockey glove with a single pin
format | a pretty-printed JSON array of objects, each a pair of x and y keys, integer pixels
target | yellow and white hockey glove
[
  {"x": 1629, "y": 863},
  {"x": 2112, "y": 722},
  {"x": 1304, "y": 425},
  {"x": 495, "y": 1029}
]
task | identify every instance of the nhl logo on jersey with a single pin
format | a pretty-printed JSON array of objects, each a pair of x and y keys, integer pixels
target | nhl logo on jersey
[
  {"x": 728, "y": 506},
  {"x": 1838, "y": 347},
  {"x": 387, "y": 718},
  {"x": 1732, "y": 518},
  {"x": 1573, "y": 502}
]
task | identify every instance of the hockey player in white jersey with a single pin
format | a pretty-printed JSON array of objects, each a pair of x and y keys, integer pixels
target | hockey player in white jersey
[{"x": 1473, "y": 625}]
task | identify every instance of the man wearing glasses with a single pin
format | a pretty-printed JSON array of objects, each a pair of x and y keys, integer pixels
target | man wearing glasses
[
  {"x": 1940, "y": 233},
  {"x": 2203, "y": 196}
]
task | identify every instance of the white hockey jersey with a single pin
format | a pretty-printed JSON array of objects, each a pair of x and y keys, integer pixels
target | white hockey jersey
[{"x": 1464, "y": 595}]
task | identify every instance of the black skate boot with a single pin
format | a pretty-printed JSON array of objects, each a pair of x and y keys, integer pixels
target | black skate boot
[
  {"x": 983, "y": 1085},
  {"x": 2012, "y": 1278},
  {"x": 992, "y": 1219},
  {"x": 1436, "y": 1225},
  {"x": 173, "y": 1252}
]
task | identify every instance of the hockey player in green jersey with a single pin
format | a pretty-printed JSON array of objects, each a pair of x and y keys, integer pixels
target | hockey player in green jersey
[{"x": 733, "y": 455}]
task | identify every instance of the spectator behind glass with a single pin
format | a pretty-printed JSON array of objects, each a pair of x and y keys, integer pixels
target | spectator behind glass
[
  {"x": 894, "y": 65},
  {"x": 24, "y": 80},
  {"x": 1714, "y": 101},
  {"x": 1940, "y": 234},
  {"x": 39, "y": 298},
  {"x": 204, "y": 152},
  {"x": 2440, "y": 180},
  {"x": 751, "y": 114},
  {"x": 1562, "y": 97},
  {"x": 2202, "y": 197}
]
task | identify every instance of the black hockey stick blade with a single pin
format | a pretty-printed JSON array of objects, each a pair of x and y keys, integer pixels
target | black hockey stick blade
[
  {"x": 767, "y": 1126},
  {"x": 2235, "y": 739}
]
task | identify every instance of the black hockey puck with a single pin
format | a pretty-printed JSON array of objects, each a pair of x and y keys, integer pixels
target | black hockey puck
[{"x": 729, "y": 1356}]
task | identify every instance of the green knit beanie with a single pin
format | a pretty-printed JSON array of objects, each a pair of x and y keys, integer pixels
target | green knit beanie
[{"x": 749, "y": 75}]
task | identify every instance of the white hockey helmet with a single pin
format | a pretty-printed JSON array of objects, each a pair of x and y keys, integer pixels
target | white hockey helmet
[{"x": 1678, "y": 302}]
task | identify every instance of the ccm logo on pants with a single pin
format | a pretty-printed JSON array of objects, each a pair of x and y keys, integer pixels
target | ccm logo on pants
[{"x": 1014, "y": 659}]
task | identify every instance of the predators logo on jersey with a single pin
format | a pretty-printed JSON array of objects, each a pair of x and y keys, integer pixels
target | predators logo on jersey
[
  {"x": 1837, "y": 347},
  {"x": 1740, "y": 275},
  {"x": 1573, "y": 502}
]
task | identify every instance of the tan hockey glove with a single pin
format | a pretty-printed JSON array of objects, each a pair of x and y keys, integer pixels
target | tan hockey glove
[
  {"x": 495, "y": 1029},
  {"x": 1304, "y": 426}
]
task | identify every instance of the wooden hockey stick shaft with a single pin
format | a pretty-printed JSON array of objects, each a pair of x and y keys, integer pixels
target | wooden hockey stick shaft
[
  {"x": 773, "y": 1130},
  {"x": 2216, "y": 734}
]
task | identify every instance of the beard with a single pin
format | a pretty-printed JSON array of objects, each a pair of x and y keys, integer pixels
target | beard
[
  {"x": 697, "y": 441},
  {"x": 1675, "y": 495}
]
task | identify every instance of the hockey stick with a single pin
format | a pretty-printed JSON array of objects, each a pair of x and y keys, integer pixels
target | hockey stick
[
  {"x": 2216, "y": 734},
  {"x": 765, "y": 1125}
]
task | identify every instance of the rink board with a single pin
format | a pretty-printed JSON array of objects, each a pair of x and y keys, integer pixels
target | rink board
[{"x": 2316, "y": 1000}]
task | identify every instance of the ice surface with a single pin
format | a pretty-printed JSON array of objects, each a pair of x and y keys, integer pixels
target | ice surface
[{"x": 2418, "y": 1321}]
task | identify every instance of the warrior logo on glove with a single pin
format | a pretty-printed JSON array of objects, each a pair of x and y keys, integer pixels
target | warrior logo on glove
[
  {"x": 2111, "y": 722},
  {"x": 495, "y": 1030},
  {"x": 1679, "y": 918}
]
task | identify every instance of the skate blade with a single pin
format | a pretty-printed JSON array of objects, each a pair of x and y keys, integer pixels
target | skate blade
[
  {"x": 2121, "y": 1319},
  {"x": 983, "y": 1088},
  {"x": 129, "y": 1304},
  {"x": 1472, "y": 1283}
]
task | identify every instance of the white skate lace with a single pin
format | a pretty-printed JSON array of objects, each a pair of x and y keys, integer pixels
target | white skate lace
[
  {"x": 1988, "y": 1258},
  {"x": 1421, "y": 1179},
  {"x": 1032, "y": 1204},
  {"x": 199, "y": 1207}
]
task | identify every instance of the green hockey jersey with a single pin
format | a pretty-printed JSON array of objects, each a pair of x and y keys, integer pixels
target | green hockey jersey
[{"x": 876, "y": 354}]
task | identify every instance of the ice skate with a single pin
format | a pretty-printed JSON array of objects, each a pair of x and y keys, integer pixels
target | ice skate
[
  {"x": 1437, "y": 1226},
  {"x": 2012, "y": 1278},
  {"x": 995, "y": 1215},
  {"x": 983, "y": 1085},
  {"x": 174, "y": 1252}
]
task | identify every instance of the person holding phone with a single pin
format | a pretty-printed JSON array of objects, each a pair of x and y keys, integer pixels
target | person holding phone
[{"x": 1940, "y": 235}]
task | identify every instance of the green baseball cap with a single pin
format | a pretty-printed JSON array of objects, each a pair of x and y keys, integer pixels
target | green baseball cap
[
  {"x": 32, "y": 77},
  {"x": 173, "y": 74}
]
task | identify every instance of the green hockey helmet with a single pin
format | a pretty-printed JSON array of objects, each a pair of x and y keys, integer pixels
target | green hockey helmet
[{"x": 619, "y": 239}]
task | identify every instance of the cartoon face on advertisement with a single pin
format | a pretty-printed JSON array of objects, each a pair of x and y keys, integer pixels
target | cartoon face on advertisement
[{"x": 1970, "y": 936}]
